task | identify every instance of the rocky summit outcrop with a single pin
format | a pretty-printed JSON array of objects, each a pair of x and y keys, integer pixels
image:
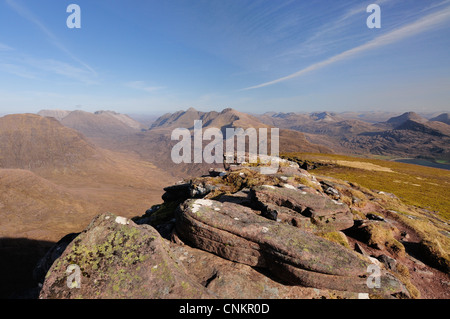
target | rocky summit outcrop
[
  {"x": 231, "y": 234},
  {"x": 294, "y": 255}
]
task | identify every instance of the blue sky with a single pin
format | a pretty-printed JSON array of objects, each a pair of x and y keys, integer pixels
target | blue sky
[{"x": 255, "y": 56}]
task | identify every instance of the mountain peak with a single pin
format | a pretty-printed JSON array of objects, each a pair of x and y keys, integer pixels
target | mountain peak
[
  {"x": 228, "y": 110},
  {"x": 324, "y": 116},
  {"x": 57, "y": 114},
  {"x": 398, "y": 120},
  {"x": 106, "y": 112},
  {"x": 191, "y": 109}
]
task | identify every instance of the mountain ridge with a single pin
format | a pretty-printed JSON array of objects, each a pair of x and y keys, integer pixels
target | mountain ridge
[{"x": 99, "y": 124}]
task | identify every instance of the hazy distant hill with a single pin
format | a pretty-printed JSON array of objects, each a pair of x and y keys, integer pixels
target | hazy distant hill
[
  {"x": 155, "y": 144},
  {"x": 428, "y": 127},
  {"x": 369, "y": 116},
  {"x": 101, "y": 124},
  {"x": 125, "y": 119},
  {"x": 444, "y": 118},
  {"x": 230, "y": 118},
  {"x": 405, "y": 135},
  {"x": 30, "y": 141},
  {"x": 57, "y": 114},
  {"x": 226, "y": 118},
  {"x": 409, "y": 116},
  {"x": 408, "y": 135},
  {"x": 323, "y": 123}
]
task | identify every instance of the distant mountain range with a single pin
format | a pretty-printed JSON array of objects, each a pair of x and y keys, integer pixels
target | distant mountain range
[
  {"x": 101, "y": 124},
  {"x": 407, "y": 135},
  {"x": 155, "y": 144}
]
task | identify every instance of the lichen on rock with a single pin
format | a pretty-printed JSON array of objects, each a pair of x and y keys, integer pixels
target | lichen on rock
[{"x": 115, "y": 260}]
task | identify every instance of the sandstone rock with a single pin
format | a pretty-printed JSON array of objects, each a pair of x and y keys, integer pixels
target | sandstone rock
[
  {"x": 323, "y": 212},
  {"x": 239, "y": 234},
  {"x": 120, "y": 260},
  {"x": 230, "y": 280}
]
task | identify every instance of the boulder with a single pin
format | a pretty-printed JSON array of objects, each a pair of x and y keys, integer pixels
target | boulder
[
  {"x": 324, "y": 213},
  {"x": 298, "y": 257},
  {"x": 118, "y": 259}
]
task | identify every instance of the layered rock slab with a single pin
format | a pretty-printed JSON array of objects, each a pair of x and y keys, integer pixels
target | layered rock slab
[
  {"x": 239, "y": 234},
  {"x": 324, "y": 213},
  {"x": 231, "y": 280},
  {"x": 119, "y": 259}
]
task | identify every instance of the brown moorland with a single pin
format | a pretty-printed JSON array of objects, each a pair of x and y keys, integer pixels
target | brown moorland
[{"x": 55, "y": 174}]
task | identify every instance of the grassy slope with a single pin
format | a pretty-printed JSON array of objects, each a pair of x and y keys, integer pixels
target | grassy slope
[
  {"x": 420, "y": 186},
  {"x": 415, "y": 186}
]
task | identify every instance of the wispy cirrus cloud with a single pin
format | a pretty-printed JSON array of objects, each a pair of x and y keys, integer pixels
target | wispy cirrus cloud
[
  {"x": 18, "y": 70},
  {"x": 33, "y": 68},
  {"x": 423, "y": 24},
  {"x": 142, "y": 86},
  {"x": 336, "y": 30},
  {"x": 24, "y": 12},
  {"x": 64, "y": 69},
  {"x": 4, "y": 47}
]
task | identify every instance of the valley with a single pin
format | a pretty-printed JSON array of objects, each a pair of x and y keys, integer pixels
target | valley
[{"x": 54, "y": 180}]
